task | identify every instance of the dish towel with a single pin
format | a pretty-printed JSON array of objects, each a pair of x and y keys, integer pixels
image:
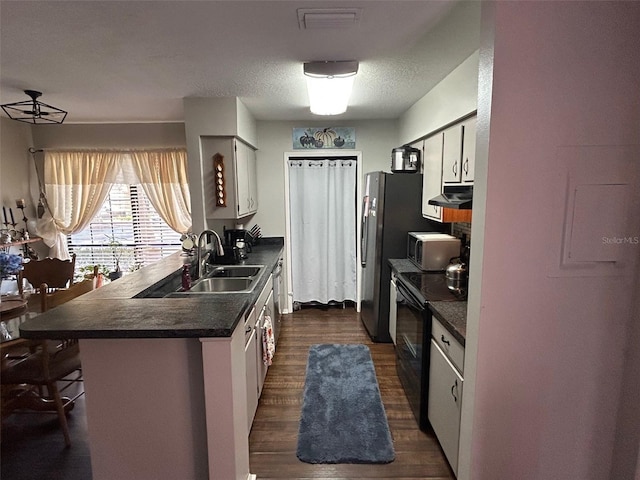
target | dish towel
[{"x": 268, "y": 342}]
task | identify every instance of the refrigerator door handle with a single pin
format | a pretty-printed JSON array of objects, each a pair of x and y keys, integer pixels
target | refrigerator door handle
[{"x": 364, "y": 233}]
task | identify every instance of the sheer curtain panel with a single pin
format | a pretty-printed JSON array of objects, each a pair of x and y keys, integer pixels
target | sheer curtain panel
[
  {"x": 322, "y": 197},
  {"x": 76, "y": 185},
  {"x": 163, "y": 176}
]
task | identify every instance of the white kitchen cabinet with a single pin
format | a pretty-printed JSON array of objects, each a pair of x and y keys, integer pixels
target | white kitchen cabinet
[
  {"x": 432, "y": 176},
  {"x": 445, "y": 401},
  {"x": 256, "y": 370},
  {"x": 469, "y": 150},
  {"x": 267, "y": 310},
  {"x": 393, "y": 308},
  {"x": 246, "y": 179},
  {"x": 445, "y": 390},
  {"x": 251, "y": 366},
  {"x": 239, "y": 178},
  {"x": 458, "y": 153}
]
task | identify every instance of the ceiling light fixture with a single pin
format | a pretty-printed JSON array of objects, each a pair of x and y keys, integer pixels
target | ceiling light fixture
[
  {"x": 329, "y": 85},
  {"x": 34, "y": 111}
]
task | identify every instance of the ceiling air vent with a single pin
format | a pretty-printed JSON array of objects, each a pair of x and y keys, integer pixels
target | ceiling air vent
[{"x": 311, "y": 18}]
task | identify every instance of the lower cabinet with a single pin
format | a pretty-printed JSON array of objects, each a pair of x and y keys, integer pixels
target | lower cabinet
[
  {"x": 445, "y": 401},
  {"x": 250, "y": 348},
  {"x": 256, "y": 370},
  {"x": 267, "y": 311}
]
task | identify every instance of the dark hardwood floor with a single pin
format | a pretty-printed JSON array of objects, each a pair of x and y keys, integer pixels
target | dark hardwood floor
[
  {"x": 33, "y": 447},
  {"x": 273, "y": 438}
]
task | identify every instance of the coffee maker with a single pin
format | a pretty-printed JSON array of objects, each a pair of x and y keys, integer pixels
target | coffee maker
[{"x": 241, "y": 239}]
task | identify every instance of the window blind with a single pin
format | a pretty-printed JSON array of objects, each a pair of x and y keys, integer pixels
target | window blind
[{"x": 127, "y": 229}]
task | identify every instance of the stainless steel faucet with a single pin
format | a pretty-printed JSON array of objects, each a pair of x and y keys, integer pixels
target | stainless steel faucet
[{"x": 202, "y": 258}]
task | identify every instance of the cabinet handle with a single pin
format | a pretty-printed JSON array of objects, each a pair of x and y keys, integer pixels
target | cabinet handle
[
  {"x": 455, "y": 168},
  {"x": 454, "y": 390},
  {"x": 247, "y": 329},
  {"x": 444, "y": 340},
  {"x": 465, "y": 166}
]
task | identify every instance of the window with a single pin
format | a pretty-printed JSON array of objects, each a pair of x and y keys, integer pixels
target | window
[{"x": 127, "y": 229}]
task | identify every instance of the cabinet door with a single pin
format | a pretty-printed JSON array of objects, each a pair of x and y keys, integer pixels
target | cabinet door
[
  {"x": 246, "y": 180},
  {"x": 262, "y": 367},
  {"x": 468, "y": 150},
  {"x": 432, "y": 176},
  {"x": 252, "y": 180},
  {"x": 251, "y": 370},
  {"x": 242, "y": 178},
  {"x": 452, "y": 155},
  {"x": 393, "y": 309},
  {"x": 445, "y": 399}
]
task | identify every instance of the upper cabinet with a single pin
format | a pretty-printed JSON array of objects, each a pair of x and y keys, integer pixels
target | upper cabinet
[
  {"x": 432, "y": 176},
  {"x": 448, "y": 158},
  {"x": 230, "y": 189},
  {"x": 246, "y": 180},
  {"x": 458, "y": 156}
]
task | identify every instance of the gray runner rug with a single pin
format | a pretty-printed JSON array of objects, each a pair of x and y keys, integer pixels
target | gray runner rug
[{"x": 343, "y": 419}]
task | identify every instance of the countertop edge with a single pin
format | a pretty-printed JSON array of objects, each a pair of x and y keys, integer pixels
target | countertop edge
[{"x": 193, "y": 317}]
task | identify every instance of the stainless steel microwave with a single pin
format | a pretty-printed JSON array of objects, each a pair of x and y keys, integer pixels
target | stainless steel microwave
[{"x": 431, "y": 251}]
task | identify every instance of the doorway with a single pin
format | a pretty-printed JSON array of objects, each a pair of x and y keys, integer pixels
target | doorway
[{"x": 321, "y": 195}]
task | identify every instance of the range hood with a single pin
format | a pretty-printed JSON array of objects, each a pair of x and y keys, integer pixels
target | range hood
[{"x": 459, "y": 197}]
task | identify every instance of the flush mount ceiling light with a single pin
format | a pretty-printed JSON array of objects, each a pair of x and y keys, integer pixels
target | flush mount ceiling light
[
  {"x": 329, "y": 85},
  {"x": 33, "y": 111}
]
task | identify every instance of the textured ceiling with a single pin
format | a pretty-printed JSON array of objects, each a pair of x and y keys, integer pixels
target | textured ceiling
[{"x": 134, "y": 61}]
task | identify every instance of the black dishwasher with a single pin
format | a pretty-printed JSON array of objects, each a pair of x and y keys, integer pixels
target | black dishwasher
[{"x": 413, "y": 331}]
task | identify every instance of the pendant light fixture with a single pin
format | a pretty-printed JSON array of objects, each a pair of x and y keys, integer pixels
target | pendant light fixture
[
  {"x": 329, "y": 85},
  {"x": 34, "y": 111}
]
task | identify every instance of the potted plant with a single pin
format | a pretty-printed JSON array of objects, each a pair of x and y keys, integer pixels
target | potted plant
[{"x": 117, "y": 250}]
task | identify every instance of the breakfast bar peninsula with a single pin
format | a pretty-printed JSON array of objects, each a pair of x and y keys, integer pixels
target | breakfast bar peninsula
[{"x": 164, "y": 371}]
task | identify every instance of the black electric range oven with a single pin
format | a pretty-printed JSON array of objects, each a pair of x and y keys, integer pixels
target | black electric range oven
[{"x": 413, "y": 333}]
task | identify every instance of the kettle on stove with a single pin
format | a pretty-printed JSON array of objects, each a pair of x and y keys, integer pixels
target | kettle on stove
[{"x": 457, "y": 272}]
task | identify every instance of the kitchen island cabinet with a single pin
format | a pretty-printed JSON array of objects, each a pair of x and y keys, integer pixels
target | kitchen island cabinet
[{"x": 165, "y": 378}]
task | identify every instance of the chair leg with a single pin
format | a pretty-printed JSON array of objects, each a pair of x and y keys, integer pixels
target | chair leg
[{"x": 53, "y": 390}]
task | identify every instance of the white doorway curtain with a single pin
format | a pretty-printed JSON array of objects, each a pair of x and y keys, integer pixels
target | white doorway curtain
[{"x": 322, "y": 202}]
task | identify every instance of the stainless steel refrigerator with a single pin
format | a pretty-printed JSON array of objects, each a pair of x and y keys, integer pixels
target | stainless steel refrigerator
[{"x": 391, "y": 207}]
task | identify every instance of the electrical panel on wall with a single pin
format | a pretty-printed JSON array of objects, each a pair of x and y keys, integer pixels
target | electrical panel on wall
[{"x": 598, "y": 225}]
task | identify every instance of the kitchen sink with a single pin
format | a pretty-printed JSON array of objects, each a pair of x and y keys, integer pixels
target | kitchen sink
[
  {"x": 221, "y": 279},
  {"x": 221, "y": 285},
  {"x": 234, "y": 271}
]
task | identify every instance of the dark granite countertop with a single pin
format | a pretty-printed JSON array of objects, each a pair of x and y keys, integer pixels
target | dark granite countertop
[
  {"x": 112, "y": 311},
  {"x": 453, "y": 316},
  {"x": 403, "y": 265}
]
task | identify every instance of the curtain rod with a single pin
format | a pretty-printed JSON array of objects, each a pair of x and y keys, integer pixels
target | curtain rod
[{"x": 33, "y": 151}]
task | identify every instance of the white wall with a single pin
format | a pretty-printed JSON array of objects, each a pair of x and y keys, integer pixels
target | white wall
[
  {"x": 17, "y": 172},
  {"x": 110, "y": 135},
  {"x": 453, "y": 98},
  {"x": 18, "y": 177},
  {"x": 375, "y": 138},
  {"x": 550, "y": 349}
]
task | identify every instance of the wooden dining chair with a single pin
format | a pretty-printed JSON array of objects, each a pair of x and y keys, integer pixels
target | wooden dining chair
[
  {"x": 54, "y": 272},
  {"x": 51, "y": 361}
]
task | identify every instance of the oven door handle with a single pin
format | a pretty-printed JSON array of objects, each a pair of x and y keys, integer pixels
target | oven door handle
[{"x": 412, "y": 301}]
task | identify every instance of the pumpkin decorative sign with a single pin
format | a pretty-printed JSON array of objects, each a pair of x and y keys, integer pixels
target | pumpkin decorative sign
[{"x": 329, "y": 137}]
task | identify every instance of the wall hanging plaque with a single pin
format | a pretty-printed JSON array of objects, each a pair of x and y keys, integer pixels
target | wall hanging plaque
[
  {"x": 329, "y": 137},
  {"x": 218, "y": 170}
]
